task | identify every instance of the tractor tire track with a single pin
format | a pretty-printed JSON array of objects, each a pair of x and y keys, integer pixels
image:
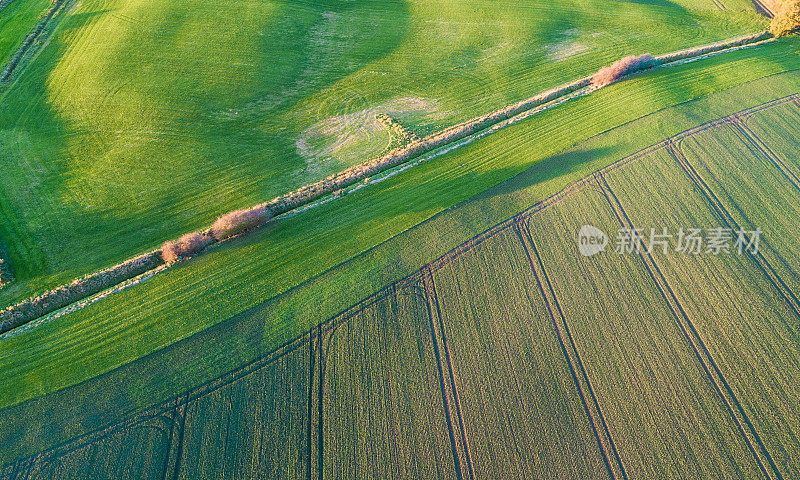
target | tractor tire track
[
  {"x": 726, "y": 218},
  {"x": 616, "y": 469},
  {"x": 453, "y": 385},
  {"x": 429, "y": 301},
  {"x": 310, "y": 408},
  {"x": 697, "y": 344},
  {"x": 172, "y": 466},
  {"x": 749, "y": 136}
]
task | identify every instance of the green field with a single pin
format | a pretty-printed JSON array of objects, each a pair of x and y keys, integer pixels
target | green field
[
  {"x": 270, "y": 262},
  {"x": 148, "y": 120},
  {"x": 439, "y": 323},
  {"x": 512, "y": 355},
  {"x": 643, "y": 385}
]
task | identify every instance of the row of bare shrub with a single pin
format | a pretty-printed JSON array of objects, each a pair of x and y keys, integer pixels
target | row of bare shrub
[
  {"x": 228, "y": 225},
  {"x": 188, "y": 245},
  {"x": 79, "y": 289},
  {"x": 787, "y": 19},
  {"x": 637, "y": 63}
]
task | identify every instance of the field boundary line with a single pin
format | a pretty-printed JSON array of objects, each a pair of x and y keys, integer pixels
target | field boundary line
[
  {"x": 594, "y": 411},
  {"x": 695, "y": 340},
  {"x": 416, "y": 276},
  {"x": 26, "y": 310}
]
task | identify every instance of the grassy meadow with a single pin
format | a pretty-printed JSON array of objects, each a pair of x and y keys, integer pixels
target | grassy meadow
[
  {"x": 510, "y": 356},
  {"x": 143, "y": 120},
  {"x": 122, "y": 328},
  {"x": 274, "y": 260}
]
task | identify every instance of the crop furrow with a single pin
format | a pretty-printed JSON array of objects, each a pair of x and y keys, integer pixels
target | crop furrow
[
  {"x": 433, "y": 310},
  {"x": 722, "y": 213},
  {"x": 694, "y": 340},
  {"x": 604, "y": 439},
  {"x": 172, "y": 466}
]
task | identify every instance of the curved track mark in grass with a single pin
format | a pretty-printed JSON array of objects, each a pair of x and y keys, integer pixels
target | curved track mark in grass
[
  {"x": 693, "y": 337},
  {"x": 550, "y": 299}
]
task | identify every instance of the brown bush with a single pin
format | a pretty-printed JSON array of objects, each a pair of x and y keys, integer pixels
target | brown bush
[
  {"x": 622, "y": 67},
  {"x": 189, "y": 244},
  {"x": 787, "y": 20},
  {"x": 237, "y": 221}
]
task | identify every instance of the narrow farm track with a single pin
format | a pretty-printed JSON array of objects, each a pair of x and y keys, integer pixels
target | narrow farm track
[
  {"x": 448, "y": 391},
  {"x": 422, "y": 280},
  {"x": 695, "y": 341},
  {"x": 604, "y": 440}
]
